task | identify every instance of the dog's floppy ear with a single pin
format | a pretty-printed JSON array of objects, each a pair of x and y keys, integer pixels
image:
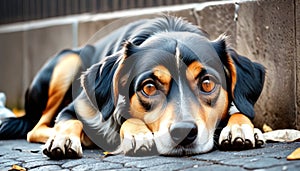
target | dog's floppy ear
[
  {"x": 97, "y": 83},
  {"x": 249, "y": 84},
  {"x": 246, "y": 78}
]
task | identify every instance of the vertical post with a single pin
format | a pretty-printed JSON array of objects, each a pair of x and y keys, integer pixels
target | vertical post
[
  {"x": 75, "y": 33},
  {"x": 297, "y": 42}
]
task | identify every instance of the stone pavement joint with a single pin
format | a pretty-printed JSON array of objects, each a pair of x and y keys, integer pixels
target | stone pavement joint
[{"x": 270, "y": 158}]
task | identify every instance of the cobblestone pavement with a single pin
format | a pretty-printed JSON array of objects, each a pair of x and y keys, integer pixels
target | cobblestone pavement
[{"x": 272, "y": 157}]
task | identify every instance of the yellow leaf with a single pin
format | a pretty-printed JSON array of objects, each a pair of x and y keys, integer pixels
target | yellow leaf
[
  {"x": 295, "y": 155},
  {"x": 18, "y": 168},
  {"x": 267, "y": 128}
]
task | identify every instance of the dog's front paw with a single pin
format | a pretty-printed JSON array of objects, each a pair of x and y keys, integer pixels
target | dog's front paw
[
  {"x": 136, "y": 139},
  {"x": 61, "y": 146},
  {"x": 240, "y": 134}
]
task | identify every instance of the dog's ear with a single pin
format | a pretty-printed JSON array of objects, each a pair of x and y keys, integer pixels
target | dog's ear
[
  {"x": 245, "y": 78},
  {"x": 123, "y": 73},
  {"x": 249, "y": 83},
  {"x": 97, "y": 83}
]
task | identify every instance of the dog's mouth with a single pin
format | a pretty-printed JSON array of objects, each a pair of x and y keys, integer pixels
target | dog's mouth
[
  {"x": 167, "y": 148},
  {"x": 180, "y": 150},
  {"x": 190, "y": 150}
]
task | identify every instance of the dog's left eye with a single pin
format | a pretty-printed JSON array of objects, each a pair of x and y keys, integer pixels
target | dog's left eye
[
  {"x": 149, "y": 89},
  {"x": 207, "y": 84}
]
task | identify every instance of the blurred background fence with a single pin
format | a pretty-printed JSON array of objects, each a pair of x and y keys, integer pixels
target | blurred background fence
[{"x": 24, "y": 10}]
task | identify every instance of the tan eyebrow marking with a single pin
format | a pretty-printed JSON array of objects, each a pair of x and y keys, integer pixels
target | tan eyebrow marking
[
  {"x": 194, "y": 70},
  {"x": 163, "y": 75}
]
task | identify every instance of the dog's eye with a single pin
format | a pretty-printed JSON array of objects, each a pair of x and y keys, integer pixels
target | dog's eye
[
  {"x": 207, "y": 84},
  {"x": 149, "y": 89}
]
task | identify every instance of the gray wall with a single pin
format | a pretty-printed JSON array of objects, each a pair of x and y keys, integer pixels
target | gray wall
[{"x": 266, "y": 31}]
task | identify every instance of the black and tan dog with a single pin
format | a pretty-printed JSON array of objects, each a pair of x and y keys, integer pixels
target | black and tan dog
[{"x": 153, "y": 86}]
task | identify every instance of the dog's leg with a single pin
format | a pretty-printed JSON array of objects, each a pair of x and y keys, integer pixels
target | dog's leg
[
  {"x": 136, "y": 138},
  {"x": 61, "y": 80},
  {"x": 240, "y": 134}
]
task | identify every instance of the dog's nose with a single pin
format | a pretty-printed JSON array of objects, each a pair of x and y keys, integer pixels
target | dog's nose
[{"x": 184, "y": 133}]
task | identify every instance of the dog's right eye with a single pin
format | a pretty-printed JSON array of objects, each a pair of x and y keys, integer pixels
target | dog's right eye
[
  {"x": 149, "y": 89},
  {"x": 207, "y": 84}
]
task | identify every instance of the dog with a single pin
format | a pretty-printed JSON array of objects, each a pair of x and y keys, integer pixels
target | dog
[{"x": 154, "y": 86}]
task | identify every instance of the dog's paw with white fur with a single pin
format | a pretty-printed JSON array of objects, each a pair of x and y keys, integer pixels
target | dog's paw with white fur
[
  {"x": 62, "y": 146},
  {"x": 240, "y": 137},
  {"x": 136, "y": 139}
]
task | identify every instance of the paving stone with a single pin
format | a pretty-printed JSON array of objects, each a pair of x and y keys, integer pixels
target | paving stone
[
  {"x": 268, "y": 151},
  {"x": 31, "y": 158},
  {"x": 285, "y": 149},
  {"x": 35, "y": 164},
  {"x": 4, "y": 168},
  {"x": 265, "y": 163},
  {"x": 239, "y": 161},
  {"x": 270, "y": 158},
  {"x": 214, "y": 156},
  {"x": 252, "y": 152},
  {"x": 3, "y": 152},
  {"x": 97, "y": 166},
  {"x": 19, "y": 144},
  {"x": 176, "y": 166},
  {"x": 215, "y": 168},
  {"x": 6, "y": 161},
  {"x": 76, "y": 162},
  {"x": 93, "y": 153},
  {"x": 285, "y": 167},
  {"x": 125, "y": 159},
  {"x": 48, "y": 168},
  {"x": 9, "y": 163},
  {"x": 150, "y": 163},
  {"x": 123, "y": 169},
  {"x": 33, "y": 148},
  {"x": 13, "y": 155}
]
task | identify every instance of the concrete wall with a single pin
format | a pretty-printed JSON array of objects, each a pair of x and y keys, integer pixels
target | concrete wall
[{"x": 266, "y": 31}]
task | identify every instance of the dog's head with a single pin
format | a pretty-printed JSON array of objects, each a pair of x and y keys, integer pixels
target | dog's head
[{"x": 180, "y": 84}]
